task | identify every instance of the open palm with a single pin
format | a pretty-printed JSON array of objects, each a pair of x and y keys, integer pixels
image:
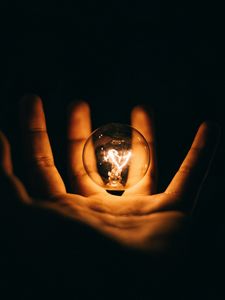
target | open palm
[{"x": 140, "y": 218}]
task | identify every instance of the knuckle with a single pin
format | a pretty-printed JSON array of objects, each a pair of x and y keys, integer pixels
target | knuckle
[
  {"x": 76, "y": 141},
  {"x": 36, "y": 130},
  {"x": 185, "y": 169},
  {"x": 196, "y": 150},
  {"x": 43, "y": 161},
  {"x": 78, "y": 173}
]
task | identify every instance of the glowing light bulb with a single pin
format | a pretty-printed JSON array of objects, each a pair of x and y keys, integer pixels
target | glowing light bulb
[{"x": 116, "y": 156}]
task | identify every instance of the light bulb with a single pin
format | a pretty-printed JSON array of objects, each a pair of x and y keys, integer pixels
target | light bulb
[{"x": 116, "y": 156}]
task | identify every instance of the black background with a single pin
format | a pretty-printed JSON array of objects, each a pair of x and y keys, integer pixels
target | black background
[{"x": 169, "y": 56}]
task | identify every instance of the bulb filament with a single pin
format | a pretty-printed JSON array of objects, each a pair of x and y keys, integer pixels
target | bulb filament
[{"x": 118, "y": 163}]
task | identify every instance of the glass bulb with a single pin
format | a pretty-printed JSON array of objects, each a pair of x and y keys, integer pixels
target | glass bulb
[{"x": 116, "y": 156}]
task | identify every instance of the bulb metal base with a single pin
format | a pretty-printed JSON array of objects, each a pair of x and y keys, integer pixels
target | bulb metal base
[{"x": 115, "y": 192}]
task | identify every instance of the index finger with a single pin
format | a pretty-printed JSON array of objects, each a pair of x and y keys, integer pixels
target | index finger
[{"x": 44, "y": 176}]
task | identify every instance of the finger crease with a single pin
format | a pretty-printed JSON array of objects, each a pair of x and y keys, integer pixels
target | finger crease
[{"x": 43, "y": 161}]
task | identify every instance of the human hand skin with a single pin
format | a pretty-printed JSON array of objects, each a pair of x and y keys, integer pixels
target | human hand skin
[{"x": 140, "y": 218}]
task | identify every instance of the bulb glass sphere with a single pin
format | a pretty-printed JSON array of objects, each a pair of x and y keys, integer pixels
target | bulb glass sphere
[{"x": 116, "y": 156}]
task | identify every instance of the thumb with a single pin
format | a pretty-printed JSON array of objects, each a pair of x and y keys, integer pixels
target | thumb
[{"x": 10, "y": 185}]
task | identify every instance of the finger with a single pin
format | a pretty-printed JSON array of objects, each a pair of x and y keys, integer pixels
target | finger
[
  {"x": 79, "y": 129},
  {"x": 46, "y": 179},
  {"x": 143, "y": 121},
  {"x": 10, "y": 184},
  {"x": 187, "y": 182},
  {"x": 5, "y": 158}
]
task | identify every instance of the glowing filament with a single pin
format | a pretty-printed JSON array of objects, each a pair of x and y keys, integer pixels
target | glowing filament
[{"x": 118, "y": 163}]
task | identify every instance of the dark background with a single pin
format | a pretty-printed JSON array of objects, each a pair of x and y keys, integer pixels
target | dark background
[{"x": 116, "y": 55}]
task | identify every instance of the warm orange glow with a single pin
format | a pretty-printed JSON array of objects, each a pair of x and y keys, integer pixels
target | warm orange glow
[{"x": 118, "y": 163}]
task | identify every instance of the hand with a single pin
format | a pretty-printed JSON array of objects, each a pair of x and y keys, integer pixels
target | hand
[{"x": 140, "y": 218}]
